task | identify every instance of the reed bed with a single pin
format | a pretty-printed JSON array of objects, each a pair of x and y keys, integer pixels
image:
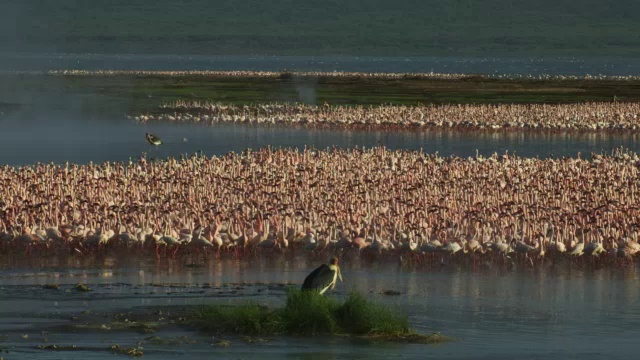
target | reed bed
[{"x": 594, "y": 116}]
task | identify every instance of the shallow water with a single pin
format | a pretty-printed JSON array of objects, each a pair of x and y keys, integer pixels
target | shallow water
[
  {"x": 556, "y": 314},
  {"x": 27, "y": 139}
]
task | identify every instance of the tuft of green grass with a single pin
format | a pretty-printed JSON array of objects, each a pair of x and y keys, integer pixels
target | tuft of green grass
[
  {"x": 248, "y": 319},
  {"x": 359, "y": 316},
  {"x": 82, "y": 287},
  {"x": 307, "y": 313}
]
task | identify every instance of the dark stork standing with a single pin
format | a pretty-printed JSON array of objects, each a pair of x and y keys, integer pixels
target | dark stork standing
[
  {"x": 152, "y": 139},
  {"x": 324, "y": 277}
]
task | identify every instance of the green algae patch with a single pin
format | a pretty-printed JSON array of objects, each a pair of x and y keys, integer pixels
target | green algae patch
[
  {"x": 249, "y": 319},
  {"x": 360, "y": 316},
  {"x": 82, "y": 287},
  {"x": 133, "y": 352},
  {"x": 222, "y": 343},
  {"x": 306, "y": 314}
]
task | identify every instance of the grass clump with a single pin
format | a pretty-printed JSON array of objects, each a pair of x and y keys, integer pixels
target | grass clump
[
  {"x": 247, "y": 319},
  {"x": 82, "y": 287},
  {"x": 307, "y": 313},
  {"x": 359, "y": 316}
]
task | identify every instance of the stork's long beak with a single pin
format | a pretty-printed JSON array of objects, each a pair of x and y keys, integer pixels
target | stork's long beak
[{"x": 339, "y": 273}]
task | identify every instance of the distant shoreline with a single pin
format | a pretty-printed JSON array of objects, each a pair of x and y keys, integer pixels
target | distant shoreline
[
  {"x": 144, "y": 92},
  {"x": 317, "y": 74}
]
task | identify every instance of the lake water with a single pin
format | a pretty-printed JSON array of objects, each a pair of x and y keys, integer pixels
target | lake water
[
  {"x": 552, "y": 313},
  {"x": 59, "y": 126},
  {"x": 59, "y": 137}
]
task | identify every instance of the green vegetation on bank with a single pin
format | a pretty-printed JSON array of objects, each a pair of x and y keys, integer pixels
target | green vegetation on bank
[
  {"x": 307, "y": 313},
  {"x": 134, "y": 94}
]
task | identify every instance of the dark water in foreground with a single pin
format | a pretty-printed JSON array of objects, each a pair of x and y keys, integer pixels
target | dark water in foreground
[
  {"x": 550, "y": 314},
  {"x": 57, "y": 138}
]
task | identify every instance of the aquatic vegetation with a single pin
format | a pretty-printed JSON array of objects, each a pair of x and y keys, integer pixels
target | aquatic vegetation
[
  {"x": 222, "y": 343},
  {"x": 82, "y": 287},
  {"x": 360, "y": 316},
  {"x": 141, "y": 93},
  {"x": 51, "y": 286},
  {"x": 133, "y": 352},
  {"x": 243, "y": 319},
  {"x": 308, "y": 313}
]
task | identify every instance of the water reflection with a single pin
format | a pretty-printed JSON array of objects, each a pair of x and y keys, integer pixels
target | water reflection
[
  {"x": 120, "y": 140},
  {"x": 548, "y": 313}
]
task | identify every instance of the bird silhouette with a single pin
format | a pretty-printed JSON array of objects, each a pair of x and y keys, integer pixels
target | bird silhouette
[{"x": 152, "y": 139}]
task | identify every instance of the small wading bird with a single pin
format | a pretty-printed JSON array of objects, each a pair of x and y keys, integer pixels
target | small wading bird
[
  {"x": 323, "y": 278},
  {"x": 152, "y": 139}
]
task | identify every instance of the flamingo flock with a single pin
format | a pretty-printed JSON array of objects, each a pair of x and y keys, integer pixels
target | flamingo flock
[
  {"x": 593, "y": 116},
  {"x": 374, "y": 203}
]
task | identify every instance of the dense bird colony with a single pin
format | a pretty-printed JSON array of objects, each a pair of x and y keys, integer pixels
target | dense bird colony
[
  {"x": 373, "y": 202},
  {"x": 562, "y": 117}
]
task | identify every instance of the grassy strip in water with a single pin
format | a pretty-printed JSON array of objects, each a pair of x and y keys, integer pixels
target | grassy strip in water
[
  {"x": 118, "y": 95},
  {"x": 247, "y": 319},
  {"x": 307, "y": 313}
]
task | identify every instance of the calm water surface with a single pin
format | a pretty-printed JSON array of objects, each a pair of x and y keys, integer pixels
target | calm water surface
[
  {"x": 555, "y": 314},
  {"x": 27, "y": 139}
]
